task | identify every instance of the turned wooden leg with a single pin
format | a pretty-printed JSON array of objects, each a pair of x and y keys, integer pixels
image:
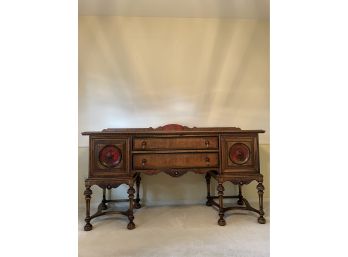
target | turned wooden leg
[
  {"x": 260, "y": 189},
  {"x": 104, "y": 206},
  {"x": 137, "y": 204},
  {"x": 131, "y": 192},
  {"x": 209, "y": 199},
  {"x": 88, "y": 193},
  {"x": 221, "y": 189},
  {"x": 240, "y": 196}
]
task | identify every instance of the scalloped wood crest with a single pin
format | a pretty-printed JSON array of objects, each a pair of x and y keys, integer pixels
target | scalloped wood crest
[{"x": 175, "y": 127}]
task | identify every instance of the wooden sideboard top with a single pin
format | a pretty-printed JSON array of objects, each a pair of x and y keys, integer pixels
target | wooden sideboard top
[{"x": 172, "y": 129}]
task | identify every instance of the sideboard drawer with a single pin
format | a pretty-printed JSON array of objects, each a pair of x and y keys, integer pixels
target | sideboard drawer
[
  {"x": 180, "y": 143},
  {"x": 175, "y": 160}
]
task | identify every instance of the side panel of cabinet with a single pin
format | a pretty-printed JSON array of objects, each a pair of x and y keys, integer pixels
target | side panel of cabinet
[
  {"x": 240, "y": 154},
  {"x": 109, "y": 157}
]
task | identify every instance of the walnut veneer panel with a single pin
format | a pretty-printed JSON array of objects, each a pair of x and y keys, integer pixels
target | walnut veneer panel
[
  {"x": 175, "y": 160},
  {"x": 164, "y": 143}
]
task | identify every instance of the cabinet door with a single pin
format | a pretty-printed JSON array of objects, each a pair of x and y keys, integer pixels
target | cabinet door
[
  {"x": 109, "y": 157},
  {"x": 240, "y": 154}
]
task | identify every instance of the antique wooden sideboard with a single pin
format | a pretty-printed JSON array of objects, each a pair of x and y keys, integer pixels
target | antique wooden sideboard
[{"x": 120, "y": 156}]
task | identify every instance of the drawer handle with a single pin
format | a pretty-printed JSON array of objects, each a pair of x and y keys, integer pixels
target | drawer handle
[
  {"x": 143, "y": 144},
  {"x": 207, "y": 161},
  {"x": 143, "y": 162},
  {"x": 207, "y": 143}
]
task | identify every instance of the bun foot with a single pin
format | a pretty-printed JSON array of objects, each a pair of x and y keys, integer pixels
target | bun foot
[
  {"x": 131, "y": 225},
  {"x": 104, "y": 207},
  {"x": 88, "y": 227},
  {"x": 137, "y": 205},
  {"x": 221, "y": 222},
  {"x": 240, "y": 202},
  {"x": 261, "y": 220}
]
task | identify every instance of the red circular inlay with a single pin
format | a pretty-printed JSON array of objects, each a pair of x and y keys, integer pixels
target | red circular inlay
[
  {"x": 239, "y": 153},
  {"x": 110, "y": 156}
]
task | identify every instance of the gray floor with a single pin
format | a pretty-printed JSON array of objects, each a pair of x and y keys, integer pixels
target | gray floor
[{"x": 189, "y": 230}]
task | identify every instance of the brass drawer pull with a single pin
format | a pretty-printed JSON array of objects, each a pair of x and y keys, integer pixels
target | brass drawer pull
[
  {"x": 143, "y": 162},
  {"x": 207, "y": 143},
  {"x": 207, "y": 161},
  {"x": 143, "y": 144}
]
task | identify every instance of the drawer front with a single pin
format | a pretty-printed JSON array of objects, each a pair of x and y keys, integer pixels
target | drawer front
[
  {"x": 179, "y": 143},
  {"x": 175, "y": 160}
]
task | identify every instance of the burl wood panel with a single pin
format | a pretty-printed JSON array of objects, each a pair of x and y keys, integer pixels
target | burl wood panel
[
  {"x": 179, "y": 143},
  {"x": 175, "y": 160}
]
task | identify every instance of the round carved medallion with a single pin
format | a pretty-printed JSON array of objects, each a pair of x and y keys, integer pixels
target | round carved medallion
[
  {"x": 239, "y": 153},
  {"x": 110, "y": 156}
]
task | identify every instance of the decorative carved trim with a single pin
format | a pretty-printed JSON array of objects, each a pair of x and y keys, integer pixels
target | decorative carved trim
[
  {"x": 180, "y": 172},
  {"x": 108, "y": 185},
  {"x": 175, "y": 172},
  {"x": 175, "y": 127},
  {"x": 239, "y": 153},
  {"x": 110, "y": 156}
]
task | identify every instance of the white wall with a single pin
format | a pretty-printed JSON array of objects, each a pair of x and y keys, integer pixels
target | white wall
[{"x": 147, "y": 71}]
